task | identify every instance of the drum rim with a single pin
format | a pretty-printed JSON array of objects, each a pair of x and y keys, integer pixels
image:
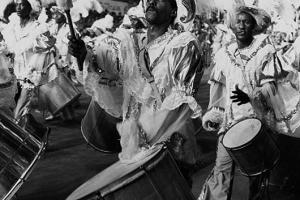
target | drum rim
[
  {"x": 93, "y": 146},
  {"x": 67, "y": 104},
  {"x": 228, "y": 149},
  {"x": 247, "y": 143},
  {"x": 264, "y": 171},
  {"x": 111, "y": 187},
  {"x": 25, "y": 174}
]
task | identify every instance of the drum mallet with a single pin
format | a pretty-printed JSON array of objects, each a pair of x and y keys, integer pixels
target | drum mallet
[{"x": 66, "y": 5}]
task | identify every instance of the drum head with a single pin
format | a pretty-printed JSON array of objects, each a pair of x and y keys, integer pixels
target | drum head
[
  {"x": 114, "y": 177},
  {"x": 241, "y": 133}
]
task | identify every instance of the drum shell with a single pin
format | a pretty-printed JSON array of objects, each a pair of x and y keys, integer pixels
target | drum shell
[
  {"x": 58, "y": 94},
  {"x": 259, "y": 155},
  {"x": 159, "y": 178},
  {"x": 19, "y": 151},
  {"x": 99, "y": 129}
]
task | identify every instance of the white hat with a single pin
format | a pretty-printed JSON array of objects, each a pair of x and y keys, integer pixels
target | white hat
[{"x": 262, "y": 18}]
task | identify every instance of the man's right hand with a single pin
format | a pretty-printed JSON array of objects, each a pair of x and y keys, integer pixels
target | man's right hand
[{"x": 78, "y": 50}]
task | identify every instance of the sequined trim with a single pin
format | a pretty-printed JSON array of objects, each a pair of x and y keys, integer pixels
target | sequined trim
[{"x": 290, "y": 115}]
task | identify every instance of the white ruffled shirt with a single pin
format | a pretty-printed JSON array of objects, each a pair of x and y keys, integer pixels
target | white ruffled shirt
[
  {"x": 31, "y": 46},
  {"x": 255, "y": 70},
  {"x": 130, "y": 94}
]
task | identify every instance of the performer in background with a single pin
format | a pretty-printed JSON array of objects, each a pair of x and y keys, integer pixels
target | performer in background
[
  {"x": 65, "y": 62},
  {"x": 248, "y": 80},
  {"x": 147, "y": 79},
  {"x": 30, "y": 44}
]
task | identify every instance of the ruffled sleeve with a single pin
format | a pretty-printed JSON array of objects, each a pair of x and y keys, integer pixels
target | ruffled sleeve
[
  {"x": 277, "y": 101},
  {"x": 184, "y": 61},
  {"x": 217, "y": 99},
  {"x": 101, "y": 77},
  {"x": 292, "y": 55}
]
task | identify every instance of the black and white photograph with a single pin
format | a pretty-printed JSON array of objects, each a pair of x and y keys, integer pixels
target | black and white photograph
[{"x": 150, "y": 99}]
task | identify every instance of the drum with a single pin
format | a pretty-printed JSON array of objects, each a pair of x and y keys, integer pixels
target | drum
[
  {"x": 153, "y": 177},
  {"x": 58, "y": 94},
  {"x": 251, "y": 146},
  {"x": 19, "y": 152},
  {"x": 99, "y": 129}
]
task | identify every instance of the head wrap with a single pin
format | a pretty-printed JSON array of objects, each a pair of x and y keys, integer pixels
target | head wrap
[{"x": 262, "y": 18}]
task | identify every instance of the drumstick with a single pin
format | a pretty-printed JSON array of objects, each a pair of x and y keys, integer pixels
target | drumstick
[{"x": 66, "y": 5}]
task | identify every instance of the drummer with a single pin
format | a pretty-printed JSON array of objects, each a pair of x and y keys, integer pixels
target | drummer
[
  {"x": 246, "y": 82},
  {"x": 66, "y": 63},
  {"x": 33, "y": 62},
  {"x": 154, "y": 94}
]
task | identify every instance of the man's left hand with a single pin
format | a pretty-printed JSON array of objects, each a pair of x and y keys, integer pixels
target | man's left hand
[{"x": 239, "y": 96}]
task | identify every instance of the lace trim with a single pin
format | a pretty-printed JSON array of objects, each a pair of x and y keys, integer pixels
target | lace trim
[
  {"x": 290, "y": 115},
  {"x": 179, "y": 97},
  {"x": 160, "y": 38},
  {"x": 233, "y": 59}
]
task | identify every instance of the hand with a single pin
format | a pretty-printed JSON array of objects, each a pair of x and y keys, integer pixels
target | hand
[
  {"x": 77, "y": 49},
  {"x": 239, "y": 97},
  {"x": 213, "y": 124}
]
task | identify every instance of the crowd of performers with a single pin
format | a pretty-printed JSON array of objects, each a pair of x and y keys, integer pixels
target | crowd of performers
[{"x": 146, "y": 70}]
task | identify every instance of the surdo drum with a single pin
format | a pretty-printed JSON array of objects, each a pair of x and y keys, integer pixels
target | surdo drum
[
  {"x": 19, "y": 151},
  {"x": 153, "y": 177},
  {"x": 58, "y": 94},
  {"x": 251, "y": 146},
  {"x": 99, "y": 130}
]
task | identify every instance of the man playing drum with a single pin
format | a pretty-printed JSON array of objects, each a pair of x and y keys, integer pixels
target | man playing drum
[
  {"x": 248, "y": 81},
  {"x": 147, "y": 79}
]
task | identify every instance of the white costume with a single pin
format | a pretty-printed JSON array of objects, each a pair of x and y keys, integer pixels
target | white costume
[
  {"x": 144, "y": 98},
  {"x": 272, "y": 86},
  {"x": 31, "y": 50},
  {"x": 33, "y": 60},
  {"x": 262, "y": 67}
]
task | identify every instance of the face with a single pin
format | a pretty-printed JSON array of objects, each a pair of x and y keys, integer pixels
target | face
[
  {"x": 244, "y": 26},
  {"x": 159, "y": 11},
  {"x": 23, "y": 8}
]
